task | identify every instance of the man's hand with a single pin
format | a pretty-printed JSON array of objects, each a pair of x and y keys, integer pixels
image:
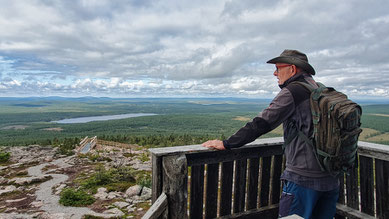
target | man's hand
[{"x": 217, "y": 144}]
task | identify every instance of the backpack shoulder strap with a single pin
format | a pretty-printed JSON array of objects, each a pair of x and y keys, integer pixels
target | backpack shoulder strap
[{"x": 313, "y": 93}]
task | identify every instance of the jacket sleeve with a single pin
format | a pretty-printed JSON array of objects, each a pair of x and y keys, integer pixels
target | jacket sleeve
[{"x": 280, "y": 109}]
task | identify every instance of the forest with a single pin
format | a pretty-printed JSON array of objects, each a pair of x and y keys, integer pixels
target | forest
[{"x": 26, "y": 121}]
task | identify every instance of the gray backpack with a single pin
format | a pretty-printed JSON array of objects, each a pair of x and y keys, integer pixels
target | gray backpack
[{"x": 336, "y": 121}]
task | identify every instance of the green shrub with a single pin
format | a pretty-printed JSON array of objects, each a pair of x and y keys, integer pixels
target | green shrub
[
  {"x": 93, "y": 157},
  {"x": 123, "y": 174},
  {"x": 144, "y": 157},
  {"x": 75, "y": 198},
  {"x": 87, "y": 216},
  {"x": 67, "y": 146},
  {"x": 4, "y": 156},
  {"x": 119, "y": 186},
  {"x": 101, "y": 177},
  {"x": 145, "y": 181}
]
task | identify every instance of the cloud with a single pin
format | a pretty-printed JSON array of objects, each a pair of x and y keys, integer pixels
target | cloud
[{"x": 168, "y": 47}]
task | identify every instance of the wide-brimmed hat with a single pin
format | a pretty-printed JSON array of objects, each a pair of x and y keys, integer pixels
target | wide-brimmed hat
[{"x": 294, "y": 57}]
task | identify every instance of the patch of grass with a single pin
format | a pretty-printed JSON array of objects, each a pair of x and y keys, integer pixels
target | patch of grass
[
  {"x": 143, "y": 178},
  {"x": 101, "y": 177},
  {"x": 4, "y": 156},
  {"x": 144, "y": 157},
  {"x": 128, "y": 155},
  {"x": 119, "y": 186},
  {"x": 114, "y": 179},
  {"x": 75, "y": 198},
  {"x": 22, "y": 173},
  {"x": 10, "y": 195},
  {"x": 94, "y": 157},
  {"x": 91, "y": 217},
  {"x": 145, "y": 181}
]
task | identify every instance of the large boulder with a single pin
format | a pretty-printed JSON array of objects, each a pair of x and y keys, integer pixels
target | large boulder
[
  {"x": 133, "y": 191},
  {"x": 146, "y": 193},
  {"x": 120, "y": 204},
  {"x": 29, "y": 180},
  {"x": 101, "y": 194},
  {"x": 7, "y": 189},
  {"x": 114, "y": 212}
]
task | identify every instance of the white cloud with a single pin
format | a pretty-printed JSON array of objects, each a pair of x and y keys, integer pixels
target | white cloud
[{"x": 169, "y": 47}]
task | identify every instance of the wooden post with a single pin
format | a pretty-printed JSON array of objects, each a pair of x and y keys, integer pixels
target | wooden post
[
  {"x": 212, "y": 190},
  {"x": 226, "y": 188},
  {"x": 382, "y": 176},
  {"x": 156, "y": 177},
  {"x": 175, "y": 185},
  {"x": 240, "y": 185},
  {"x": 265, "y": 181},
  {"x": 196, "y": 191},
  {"x": 367, "y": 184},
  {"x": 352, "y": 191},
  {"x": 276, "y": 181},
  {"x": 252, "y": 189}
]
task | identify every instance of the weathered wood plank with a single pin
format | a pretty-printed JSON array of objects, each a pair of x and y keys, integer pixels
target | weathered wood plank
[
  {"x": 349, "y": 212},
  {"x": 157, "y": 209},
  {"x": 352, "y": 192},
  {"x": 367, "y": 184},
  {"x": 226, "y": 188},
  {"x": 188, "y": 149},
  {"x": 373, "y": 150},
  {"x": 206, "y": 156},
  {"x": 267, "y": 212},
  {"x": 196, "y": 192},
  {"x": 211, "y": 190},
  {"x": 252, "y": 189},
  {"x": 276, "y": 181},
  {"x": 265, "y": 181},
  {"x": 240, "y": 185},
  {"x": 364, "y": 148},
  {"x": 156, "y": 177},
  {"x": 175, "y": 185},
  {"x": 246, "y": 152},
  {"x": 382, "y": 186}
]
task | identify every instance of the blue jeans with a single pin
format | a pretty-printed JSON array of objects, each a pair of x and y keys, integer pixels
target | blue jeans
[{"x": 307, "y": 203}]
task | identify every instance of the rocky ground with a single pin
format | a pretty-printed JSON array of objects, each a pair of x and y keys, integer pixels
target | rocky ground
[{"x": 32, "y": 181}]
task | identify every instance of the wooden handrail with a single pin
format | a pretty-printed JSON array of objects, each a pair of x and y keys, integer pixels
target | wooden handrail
[
  {"x": 174, "y": 167},
  {"x": 158, "y": 209}
]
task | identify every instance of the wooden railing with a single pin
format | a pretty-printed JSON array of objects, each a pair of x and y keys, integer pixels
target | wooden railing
[
  {"x": 365, "y": 192},
  {"x": 196, "y": 182}
]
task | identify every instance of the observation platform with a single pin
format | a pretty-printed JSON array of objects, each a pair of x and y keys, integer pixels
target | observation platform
[{"x": 196, "y": 182}]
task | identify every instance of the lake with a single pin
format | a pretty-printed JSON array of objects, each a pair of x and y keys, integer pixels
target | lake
[{"x": 102, "y": 118}]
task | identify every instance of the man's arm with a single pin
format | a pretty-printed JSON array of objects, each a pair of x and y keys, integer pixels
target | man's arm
[
  {"x": 278, "y": 111},
  {"x": 246, "y": 134}
]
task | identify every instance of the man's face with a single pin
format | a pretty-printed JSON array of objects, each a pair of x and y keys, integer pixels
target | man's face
[{"x": 283, "y": 72}]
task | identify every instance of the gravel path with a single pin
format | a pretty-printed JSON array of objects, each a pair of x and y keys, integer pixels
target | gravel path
[{"x": 50, "y": 201}]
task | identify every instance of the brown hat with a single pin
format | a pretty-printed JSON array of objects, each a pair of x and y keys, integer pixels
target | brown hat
[{"x": 294, "y": 57}]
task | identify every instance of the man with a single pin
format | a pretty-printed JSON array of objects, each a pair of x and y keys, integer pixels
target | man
[{"x": 308, "y": 191}]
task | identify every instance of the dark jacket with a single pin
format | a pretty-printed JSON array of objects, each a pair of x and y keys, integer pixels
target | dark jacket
[{"x": 290, "y": 106}]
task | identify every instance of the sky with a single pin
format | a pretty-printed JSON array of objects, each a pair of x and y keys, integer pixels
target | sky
[{"x": 179, "y": 48}]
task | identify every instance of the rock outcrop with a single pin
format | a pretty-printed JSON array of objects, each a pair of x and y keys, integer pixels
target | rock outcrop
[{"x": 31, "y": 184}]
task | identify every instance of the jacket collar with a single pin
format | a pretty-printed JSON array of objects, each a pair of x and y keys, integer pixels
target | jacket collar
[{"x": 297, "y": 77}]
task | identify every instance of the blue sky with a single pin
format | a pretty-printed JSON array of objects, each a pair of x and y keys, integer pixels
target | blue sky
[{"x": 171, "y": 48}]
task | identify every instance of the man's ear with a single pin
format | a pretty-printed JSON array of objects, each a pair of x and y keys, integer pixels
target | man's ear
[{"x": 295, "y": 70}]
